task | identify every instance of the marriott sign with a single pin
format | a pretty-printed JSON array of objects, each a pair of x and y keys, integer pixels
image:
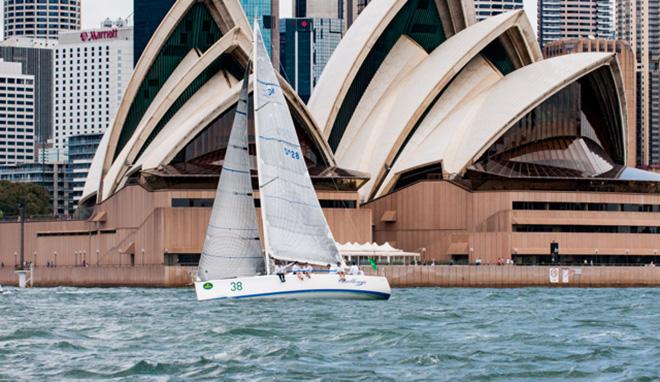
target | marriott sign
[{"x": 99, "y": 35}]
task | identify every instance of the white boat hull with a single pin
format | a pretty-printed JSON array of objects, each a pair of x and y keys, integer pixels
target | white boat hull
[{"x": 318, "y": 286}]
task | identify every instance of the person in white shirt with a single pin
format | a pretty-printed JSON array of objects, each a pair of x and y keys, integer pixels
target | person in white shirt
[
  {"x": 307, "y": 270},
  {"x": 354, "y": 270},
  {"x": 297, "y": 271},
  {"x": 280, "y": 270},
  {"x": 341, "y": 271}
]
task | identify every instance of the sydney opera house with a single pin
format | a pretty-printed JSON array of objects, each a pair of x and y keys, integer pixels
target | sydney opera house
[{"x": 428, "y": 130}]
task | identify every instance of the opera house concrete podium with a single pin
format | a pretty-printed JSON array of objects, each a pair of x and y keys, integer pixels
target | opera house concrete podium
[{"x": 428, "y": 130}]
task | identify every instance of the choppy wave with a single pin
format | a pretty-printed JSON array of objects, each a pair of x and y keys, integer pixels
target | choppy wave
[{"x": 69, "y": 334}]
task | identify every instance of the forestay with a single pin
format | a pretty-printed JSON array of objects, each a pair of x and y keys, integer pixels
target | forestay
[
  {"x": 232, "y": 247},
  {"x": 295, "y": 228}
]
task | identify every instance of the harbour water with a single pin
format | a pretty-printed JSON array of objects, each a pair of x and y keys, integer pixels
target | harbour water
[{"x": 123, "y": 334}]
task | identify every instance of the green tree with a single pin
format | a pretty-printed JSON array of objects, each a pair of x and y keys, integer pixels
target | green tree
[{"x": 32, "y": 196}]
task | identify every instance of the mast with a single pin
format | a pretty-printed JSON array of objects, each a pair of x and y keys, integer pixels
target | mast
[{"x": 294, "y": 226}]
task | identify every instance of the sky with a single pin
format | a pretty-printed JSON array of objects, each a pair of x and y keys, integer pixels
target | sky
[{"x": 95, "y": 11}]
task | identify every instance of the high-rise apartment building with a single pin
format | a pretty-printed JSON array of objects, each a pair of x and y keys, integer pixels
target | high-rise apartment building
[
  {"x": 92, "y": 70},
  {"x": 306, "y": 45},
  {"x": 36, "y": 56},
  {"x": 81, "y": 150},
  {"x": 327, "y": 35},
  {"x": 487, "y": 8},
  {"x": 559, "y": 19},
  {"x": 319, "y": 8},
  {"x": 626, "y": 61},
  {"x": 147, "y": 15},
  {"x": 637, "y": 22},
  {"x": 347, "y": 10},
  {"x": 16, "y": 114},
  {"x": 40, "y": 18}
]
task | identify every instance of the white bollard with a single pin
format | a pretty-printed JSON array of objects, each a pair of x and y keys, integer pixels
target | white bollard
[{"x": 22, "y": 279}]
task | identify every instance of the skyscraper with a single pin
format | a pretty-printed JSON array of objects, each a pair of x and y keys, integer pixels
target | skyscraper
[
  {"x": 16, "y": 114},
  {"x": 81, "y": 150},
  {"x": 487, "y": 8},
  {"x": 296, "y": 51},
  {"x": 92, "y": 70},
  {"x": 347, "y": 10},
  {"x": 327, "y": 35},
  {"x": 319, "y": 8},
  {"x": 40, "y": 18},
  {"x": 267, "y": 13},
  {"x": 637, "y": 23},
  {"x": 36, "y": 56},
  {"x": 559, "y": 19},
  {"x": 306, "y": 45},
  {"x": 147, "y": 15}
]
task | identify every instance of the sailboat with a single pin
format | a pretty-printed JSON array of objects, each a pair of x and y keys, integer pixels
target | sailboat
[{"x": 233, "y": 265}]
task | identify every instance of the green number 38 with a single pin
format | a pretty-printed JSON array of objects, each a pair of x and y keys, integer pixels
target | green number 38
[{"x": 236, "y": 287}]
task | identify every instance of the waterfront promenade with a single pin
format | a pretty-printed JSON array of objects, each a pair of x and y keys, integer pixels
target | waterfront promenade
[{"x": 485, "y": 276}]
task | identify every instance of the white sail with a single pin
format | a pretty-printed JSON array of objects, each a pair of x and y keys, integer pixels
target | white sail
[
  {"x": 294, "y": 226},
  {"x": 232, "y": 247}
]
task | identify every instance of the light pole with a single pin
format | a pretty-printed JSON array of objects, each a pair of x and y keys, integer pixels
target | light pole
[{"x": 21, "y": 211}]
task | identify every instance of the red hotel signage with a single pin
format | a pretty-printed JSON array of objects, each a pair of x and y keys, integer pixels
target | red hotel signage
[{"x": 100, "y": 35}]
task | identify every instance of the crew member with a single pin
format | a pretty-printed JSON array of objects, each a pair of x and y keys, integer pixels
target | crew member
[
  {"x": 354, "y": 270},
  {"x": 297, "y": 271},
  {"x": 307, "y": 270},
  {"x": 280, "y": 270},
  {"x": 341, "y": 272}
]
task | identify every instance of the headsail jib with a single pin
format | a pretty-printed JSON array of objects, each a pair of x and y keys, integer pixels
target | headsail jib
[{"x": 232, "y": 247}]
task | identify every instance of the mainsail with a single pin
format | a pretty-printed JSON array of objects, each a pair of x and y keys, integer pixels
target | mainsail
[
  {"x": 232, "y": 247},
  {"x": 294, "y": 226}
]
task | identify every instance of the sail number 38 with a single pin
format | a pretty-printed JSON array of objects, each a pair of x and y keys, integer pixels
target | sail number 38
[
  {"x": 291, "y": 153},
  {"x": 236, "y": 287}
]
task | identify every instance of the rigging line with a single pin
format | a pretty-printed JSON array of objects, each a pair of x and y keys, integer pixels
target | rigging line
[
  {"x": 268, "y": 83},
  {"x": 289, "y": 200},
  {"x": 279, "y": 140},
  {"x": 345, "y": 205},
  {"x": 232, "y": 257},
  {"x": 268, "y": 103},
  {"x": 236, "y": 171},
  {"x": 231, "y": 229},
  {"x": 269, "y": 182}
]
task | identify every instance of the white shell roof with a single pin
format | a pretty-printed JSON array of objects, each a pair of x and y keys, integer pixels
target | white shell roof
[{"x": 474, "y": 126}]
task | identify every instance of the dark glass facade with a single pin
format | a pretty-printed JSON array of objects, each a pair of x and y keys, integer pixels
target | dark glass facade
[
  {"x": 148, "y": 14},
  {"x": 563, "y": 206},
  {"x": 39, "y": 63},
  {"x": 296, "y": 53},
  {"x": 268, "y": 20},
  {"x": 572, "y": 228}
]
